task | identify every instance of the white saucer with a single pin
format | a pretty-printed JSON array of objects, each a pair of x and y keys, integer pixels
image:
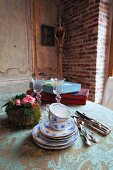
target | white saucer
[
  {"x": 55, "y": 147},
  {"x": 60, "y": 139},
  {"x": 47, "y": 130},
  {"x": 50, "y": 144}
]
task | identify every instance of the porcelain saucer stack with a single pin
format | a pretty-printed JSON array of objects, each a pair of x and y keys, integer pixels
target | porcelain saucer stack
[{"x": 49, "y": 137}]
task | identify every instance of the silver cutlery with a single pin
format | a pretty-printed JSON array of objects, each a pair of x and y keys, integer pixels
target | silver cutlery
[
  {"x": 92, "y": 138},
  {"x": 88, "y": 136},
  {"x": 92, "y": 123},
  {"x": 84, "y": 134}
]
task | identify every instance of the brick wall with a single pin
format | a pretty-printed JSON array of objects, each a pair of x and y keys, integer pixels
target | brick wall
[
  {"x": 84, "y": 54},
  {"x": 102, "y": 47}
]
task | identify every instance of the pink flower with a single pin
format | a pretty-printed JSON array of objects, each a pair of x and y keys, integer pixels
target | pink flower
[
  {"x": 24, "y": 100},
  {"x": 29, "y": 99},
  {"x": 17, "y": 102}
]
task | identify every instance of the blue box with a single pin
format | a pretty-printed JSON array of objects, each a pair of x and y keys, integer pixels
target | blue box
[{"x": 68, "y": 87}]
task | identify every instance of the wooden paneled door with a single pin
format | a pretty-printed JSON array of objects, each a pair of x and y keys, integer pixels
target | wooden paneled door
[{"x": 42, "y": 13}]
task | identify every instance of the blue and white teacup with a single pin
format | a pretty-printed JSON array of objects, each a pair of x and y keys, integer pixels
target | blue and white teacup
[{"x": 59, "y": 116}]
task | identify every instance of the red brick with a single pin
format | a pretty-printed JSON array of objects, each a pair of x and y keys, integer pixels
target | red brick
[{"x": 80, "y": 55}]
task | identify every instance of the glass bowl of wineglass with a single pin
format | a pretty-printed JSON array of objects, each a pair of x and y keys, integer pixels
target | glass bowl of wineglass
[
  {"x": 38, "y": 88},
  {"x": 57, "y": 88}
]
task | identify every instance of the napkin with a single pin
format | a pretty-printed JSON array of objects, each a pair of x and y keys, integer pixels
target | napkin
[{"x": 78, "y": 98}]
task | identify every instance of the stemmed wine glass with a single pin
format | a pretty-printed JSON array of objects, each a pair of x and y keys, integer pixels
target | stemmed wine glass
[
  {"x": 38, "y": 88},
  {"x": 57, "y": 88}
]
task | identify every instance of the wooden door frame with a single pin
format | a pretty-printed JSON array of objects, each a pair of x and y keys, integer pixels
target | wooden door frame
[
  {"x": 110, "y": 63},
  {"x": 33, "y": 33}
]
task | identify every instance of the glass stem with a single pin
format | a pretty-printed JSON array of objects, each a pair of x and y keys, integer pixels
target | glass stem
[
  {"x": 58, "y": 98},
  {"x": 38, "y": 98}
]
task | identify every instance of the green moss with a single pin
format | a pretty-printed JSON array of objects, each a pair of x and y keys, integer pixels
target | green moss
[{"x": 22, "y": 115}]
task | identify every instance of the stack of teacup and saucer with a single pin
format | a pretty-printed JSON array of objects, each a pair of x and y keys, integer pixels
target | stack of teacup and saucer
[{"x": 58, "y": 131}]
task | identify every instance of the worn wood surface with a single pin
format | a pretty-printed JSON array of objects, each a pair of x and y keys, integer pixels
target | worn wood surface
[
  {"x": 14, "y": 43},
  {"x": 20, "y": 47},
  {"x": 45, "y": 13}
]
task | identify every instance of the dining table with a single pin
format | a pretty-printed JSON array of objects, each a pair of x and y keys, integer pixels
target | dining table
[{"x": 18, "y": 151}]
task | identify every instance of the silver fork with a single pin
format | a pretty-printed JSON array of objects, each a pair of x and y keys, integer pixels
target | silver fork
[
  {"x": 84, "y": 134},
  {"x": 92, "y": 138},
  {"x": 89, "y": 135}
]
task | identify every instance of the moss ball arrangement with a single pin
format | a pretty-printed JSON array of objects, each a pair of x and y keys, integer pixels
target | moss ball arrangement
[{"x": 23, "y": 110}]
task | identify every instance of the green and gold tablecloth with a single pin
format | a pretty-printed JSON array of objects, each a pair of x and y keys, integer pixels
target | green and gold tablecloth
[{"x": 19, "y": 152}]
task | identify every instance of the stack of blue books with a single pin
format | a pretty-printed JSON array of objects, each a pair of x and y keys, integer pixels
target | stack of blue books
[{"x": 68, "y": 87}]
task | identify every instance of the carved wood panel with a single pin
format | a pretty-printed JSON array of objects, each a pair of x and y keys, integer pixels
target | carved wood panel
[{"x": 14, "y": 39}]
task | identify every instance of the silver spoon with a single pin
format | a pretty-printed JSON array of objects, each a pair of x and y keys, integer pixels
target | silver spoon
[
  {"x": 82, "y": 132},
  {"x": 92, "y": 138},
  {"x": 89, "y": 135}
]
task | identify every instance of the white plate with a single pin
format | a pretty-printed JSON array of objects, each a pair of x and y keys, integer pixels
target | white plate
[
  {"x": 38, "y": 137},
  {"x": 47, "y": 130},
  {"x": 55, "y": 147},
  {"x": 57, "y": 139},
  {"x": 41, "y": 141}
]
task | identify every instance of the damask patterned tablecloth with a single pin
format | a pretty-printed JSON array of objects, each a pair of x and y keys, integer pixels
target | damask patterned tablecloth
[{"x": 19, "y": 152}]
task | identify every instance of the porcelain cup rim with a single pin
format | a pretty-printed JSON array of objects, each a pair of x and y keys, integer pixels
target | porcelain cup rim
[{"x": 58, "y": 116}]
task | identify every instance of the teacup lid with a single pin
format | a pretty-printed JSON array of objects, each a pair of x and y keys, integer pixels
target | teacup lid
[{"x": 59, "y": 110}]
